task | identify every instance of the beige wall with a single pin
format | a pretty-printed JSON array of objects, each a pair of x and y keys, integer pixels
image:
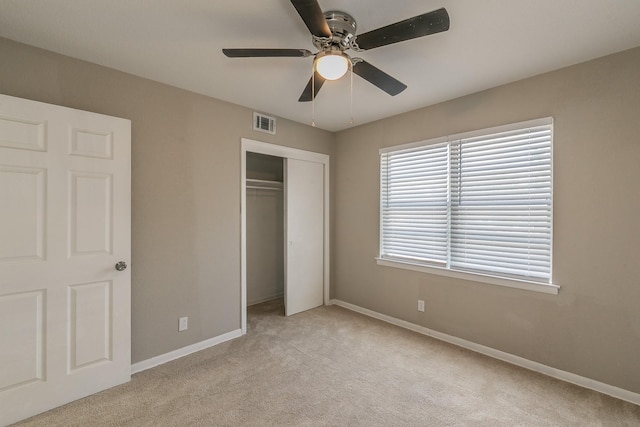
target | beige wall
[
  {"x": 592, "y": 328},
  {"x": 185, "y": 184}
]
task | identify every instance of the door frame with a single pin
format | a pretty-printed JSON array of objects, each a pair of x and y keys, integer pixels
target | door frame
[{"x": 249, "y": 145}]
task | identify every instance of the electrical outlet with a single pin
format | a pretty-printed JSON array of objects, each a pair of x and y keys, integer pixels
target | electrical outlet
[
  {"x": 420, "y": 305},
  {"x": 183, "y": 324}
]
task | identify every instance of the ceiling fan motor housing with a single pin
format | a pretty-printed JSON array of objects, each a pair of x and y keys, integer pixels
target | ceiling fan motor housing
[{"x": 343, "y": 30}]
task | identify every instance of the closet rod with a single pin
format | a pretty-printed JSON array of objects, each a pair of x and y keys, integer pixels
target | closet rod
[{"x": 263, "y": 188}]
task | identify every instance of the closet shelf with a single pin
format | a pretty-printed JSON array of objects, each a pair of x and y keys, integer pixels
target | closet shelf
[{"x": 261, "y": 184}]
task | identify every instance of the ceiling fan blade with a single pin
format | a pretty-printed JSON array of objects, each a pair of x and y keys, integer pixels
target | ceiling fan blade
[
  {"x": 378, "y": 78},
  {"x": 311, "y": 14},
  {"x": 418, "y": 26},
  {"x": 306, "y": 93},
  {"x": 265, "y": 53}
]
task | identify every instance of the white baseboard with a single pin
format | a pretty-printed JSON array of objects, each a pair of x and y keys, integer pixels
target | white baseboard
[
  {"x": 184, "y": 351},
  {"x": 588, "y": 383}
]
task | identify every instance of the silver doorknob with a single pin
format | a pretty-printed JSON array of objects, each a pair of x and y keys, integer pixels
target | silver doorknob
[{"x": 121, "y": 265}]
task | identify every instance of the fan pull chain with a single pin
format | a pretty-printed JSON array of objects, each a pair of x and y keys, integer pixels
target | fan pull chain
[
  {"x": 351, "y": 101},
  {"x": 313, "y": 99}
]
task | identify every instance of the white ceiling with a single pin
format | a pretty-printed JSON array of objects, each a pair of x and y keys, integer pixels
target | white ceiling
[{"x": 179, "y": 42}]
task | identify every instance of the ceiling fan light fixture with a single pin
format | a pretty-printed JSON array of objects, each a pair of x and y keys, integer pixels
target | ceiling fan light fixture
[{"x": 332, "y": 65}]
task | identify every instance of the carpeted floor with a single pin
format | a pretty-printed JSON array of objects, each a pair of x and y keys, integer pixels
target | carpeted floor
[{"x": 333, "y": 367}]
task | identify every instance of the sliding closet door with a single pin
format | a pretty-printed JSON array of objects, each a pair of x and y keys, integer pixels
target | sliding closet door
[{"x": 304, "y": 248}]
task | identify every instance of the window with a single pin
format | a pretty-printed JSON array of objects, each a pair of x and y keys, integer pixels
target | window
[{"x": 477, "y": 203}]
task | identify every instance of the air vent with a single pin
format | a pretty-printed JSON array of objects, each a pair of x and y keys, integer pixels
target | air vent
[{"x": 263, "y": 123}]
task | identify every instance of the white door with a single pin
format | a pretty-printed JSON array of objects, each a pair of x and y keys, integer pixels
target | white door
[
  {"x": 304, "y": 217},
  {"x": 65, "y": 208}
]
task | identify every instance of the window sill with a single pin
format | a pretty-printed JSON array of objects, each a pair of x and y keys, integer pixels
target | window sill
[{"x": 500, "y": 281}]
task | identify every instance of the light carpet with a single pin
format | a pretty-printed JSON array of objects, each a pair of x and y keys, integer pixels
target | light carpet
[{"x": 333, "y": 367}]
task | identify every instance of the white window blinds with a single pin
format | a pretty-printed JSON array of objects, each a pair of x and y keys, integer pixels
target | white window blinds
[
  {"x": 415, "y": 212},
  {"x": 477, "y": 203}
]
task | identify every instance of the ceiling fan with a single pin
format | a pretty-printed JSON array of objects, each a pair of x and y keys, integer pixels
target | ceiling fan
[{"x": 334, "y": 32}]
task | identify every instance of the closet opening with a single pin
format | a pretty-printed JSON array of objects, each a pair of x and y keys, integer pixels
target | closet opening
[
  {"x": 264, "y": 228},
  {"x": 284, "y": 228}
]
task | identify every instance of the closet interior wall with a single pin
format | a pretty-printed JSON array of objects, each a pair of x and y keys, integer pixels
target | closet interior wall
[{"x": 265, "y": 228}]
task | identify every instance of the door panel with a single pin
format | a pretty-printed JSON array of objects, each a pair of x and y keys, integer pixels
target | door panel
[
  {"x": 304, "y": 272},
  {"x": 65, "y": 209},
  {"x": 22, "y": 133},
  {"x": 25, "y": 358},
  {"x": 90, "y": 319},
  {"x": 22, "y": 213},
  {"x": 90, "y": 213}
]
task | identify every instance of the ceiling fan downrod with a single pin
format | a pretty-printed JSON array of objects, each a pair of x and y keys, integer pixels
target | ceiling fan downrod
[{"x": 343, "y": 29}]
